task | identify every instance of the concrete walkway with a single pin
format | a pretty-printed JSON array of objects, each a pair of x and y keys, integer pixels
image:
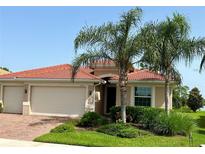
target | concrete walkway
[{"x": 20, "y": 143}]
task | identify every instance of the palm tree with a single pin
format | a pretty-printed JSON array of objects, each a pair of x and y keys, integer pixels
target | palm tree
[
  {"x": 117, "y": 42},
  {"x": 166, "y": 43},
  {"x": 202, "y": 63}
]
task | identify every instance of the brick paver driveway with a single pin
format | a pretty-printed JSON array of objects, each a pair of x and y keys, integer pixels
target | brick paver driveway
[{"x": 20, "y": 127}]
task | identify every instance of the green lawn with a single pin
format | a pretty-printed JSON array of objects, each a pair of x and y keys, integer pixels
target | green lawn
[{"x": 92, "y": 138}]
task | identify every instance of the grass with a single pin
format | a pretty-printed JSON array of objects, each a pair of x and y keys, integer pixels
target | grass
[{"x": 92, "y": 138}]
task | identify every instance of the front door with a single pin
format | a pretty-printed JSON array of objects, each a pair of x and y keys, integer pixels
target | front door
[{"x": 111, "y": 98}]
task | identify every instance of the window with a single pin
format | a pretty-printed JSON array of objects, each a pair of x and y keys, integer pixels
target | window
[{"x": 143, "y": 96}]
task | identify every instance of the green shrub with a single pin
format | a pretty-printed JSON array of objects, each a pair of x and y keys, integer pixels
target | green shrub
[
  {"x": 148, "y": 117},
  {"x": 121, "y": 130},
  {"x": 184, "y": 109},
  {"x": 1, "y": 107},
  {"x": 115, "y": 113},
  {"x": 63, "y": 128},
  {"x": 195, "y": 100},
  {"x": 92, "y": 119},
  {"x": 173, "y": 124},
  {"x": 201, "y": 122},
  {"x": 135, "y": 114}
]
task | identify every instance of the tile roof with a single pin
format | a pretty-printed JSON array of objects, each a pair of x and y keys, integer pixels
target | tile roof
[
  {"x": 52, "y": 72},
  {"x": 142, "y": 75},
  {"x": 64, "y": 72}
]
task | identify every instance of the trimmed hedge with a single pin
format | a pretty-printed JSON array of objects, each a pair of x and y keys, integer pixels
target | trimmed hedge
[
  {"x": 92, "y": 119},
  {"x": 135, "y": 114},
  {"x": 148, "y": 117}
]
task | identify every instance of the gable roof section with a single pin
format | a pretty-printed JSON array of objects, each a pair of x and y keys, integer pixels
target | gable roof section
[
  {"x": 52, "y": 72},
  {"x": 142, "y": 75}
]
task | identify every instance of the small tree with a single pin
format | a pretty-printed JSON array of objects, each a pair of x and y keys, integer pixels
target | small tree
[
  {"x": 195, "y": 100},
  {"x": 180, "y": 96}
]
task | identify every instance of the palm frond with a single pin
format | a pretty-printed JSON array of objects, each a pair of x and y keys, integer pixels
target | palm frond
[{"x": 202, "y": 63}]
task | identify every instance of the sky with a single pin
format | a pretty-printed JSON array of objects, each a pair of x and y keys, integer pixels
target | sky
[{"x": 33, "y": 37}]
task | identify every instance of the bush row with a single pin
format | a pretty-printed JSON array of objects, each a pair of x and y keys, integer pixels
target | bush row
[
  {"x": 156, "y": 120},
  {"x": 136, "y": 114}
]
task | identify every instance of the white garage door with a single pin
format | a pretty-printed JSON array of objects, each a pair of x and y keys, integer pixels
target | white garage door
[
  {"x": 13, "y": 99},
  {"x": 58, "y": 100}
]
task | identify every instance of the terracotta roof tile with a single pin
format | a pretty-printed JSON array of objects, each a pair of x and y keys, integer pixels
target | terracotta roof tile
[
  {"x": 142, "y": 75},
  {"x": 64, "y": 72},
  {"x": 52, "y": 72}
]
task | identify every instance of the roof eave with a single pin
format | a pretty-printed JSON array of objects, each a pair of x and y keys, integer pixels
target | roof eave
[
  {"x": 48, "y": 79},
  {"x": 144, "y": 81}
]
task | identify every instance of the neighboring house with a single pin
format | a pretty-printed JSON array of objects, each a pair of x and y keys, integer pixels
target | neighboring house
[
  {"x": 2, "y": 71},
  {"x": 51, "y": 91}
]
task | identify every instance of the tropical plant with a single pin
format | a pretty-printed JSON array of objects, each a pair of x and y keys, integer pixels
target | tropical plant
[
  {"x": 117, "y": 42},
  {"x": 180, "y": 96},
  {"x": 195, "y": 100},
  {"x": 166, "y": 43},
  {"x": 173, "y": 124}
]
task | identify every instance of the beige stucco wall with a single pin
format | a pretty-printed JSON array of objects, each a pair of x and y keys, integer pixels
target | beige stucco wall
[
  {"x": 103, "y": 71},
  {"x": 157, "y": 94},
  {"x": 159, "y": 98}
]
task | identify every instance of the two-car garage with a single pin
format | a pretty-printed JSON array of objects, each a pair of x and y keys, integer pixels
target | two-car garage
[
  {"x": 48, "y": 100},
  {"x": 58, "y": 100}
]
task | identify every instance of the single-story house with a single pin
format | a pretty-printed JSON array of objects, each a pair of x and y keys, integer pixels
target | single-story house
[{"x": 51, "y": 91}]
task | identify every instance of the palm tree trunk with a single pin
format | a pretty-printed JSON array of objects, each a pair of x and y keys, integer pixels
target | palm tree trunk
[
  {"x": 166, "y": 95},
  {"x": 123, "y": 94}
]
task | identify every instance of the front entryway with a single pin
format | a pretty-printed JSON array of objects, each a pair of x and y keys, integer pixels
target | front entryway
[{"x": 110, "y": 97}]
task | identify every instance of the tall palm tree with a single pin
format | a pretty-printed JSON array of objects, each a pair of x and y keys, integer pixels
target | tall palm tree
[
  {"x": 117, "y": 42},
  {"x": 166, "y": 43}
]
